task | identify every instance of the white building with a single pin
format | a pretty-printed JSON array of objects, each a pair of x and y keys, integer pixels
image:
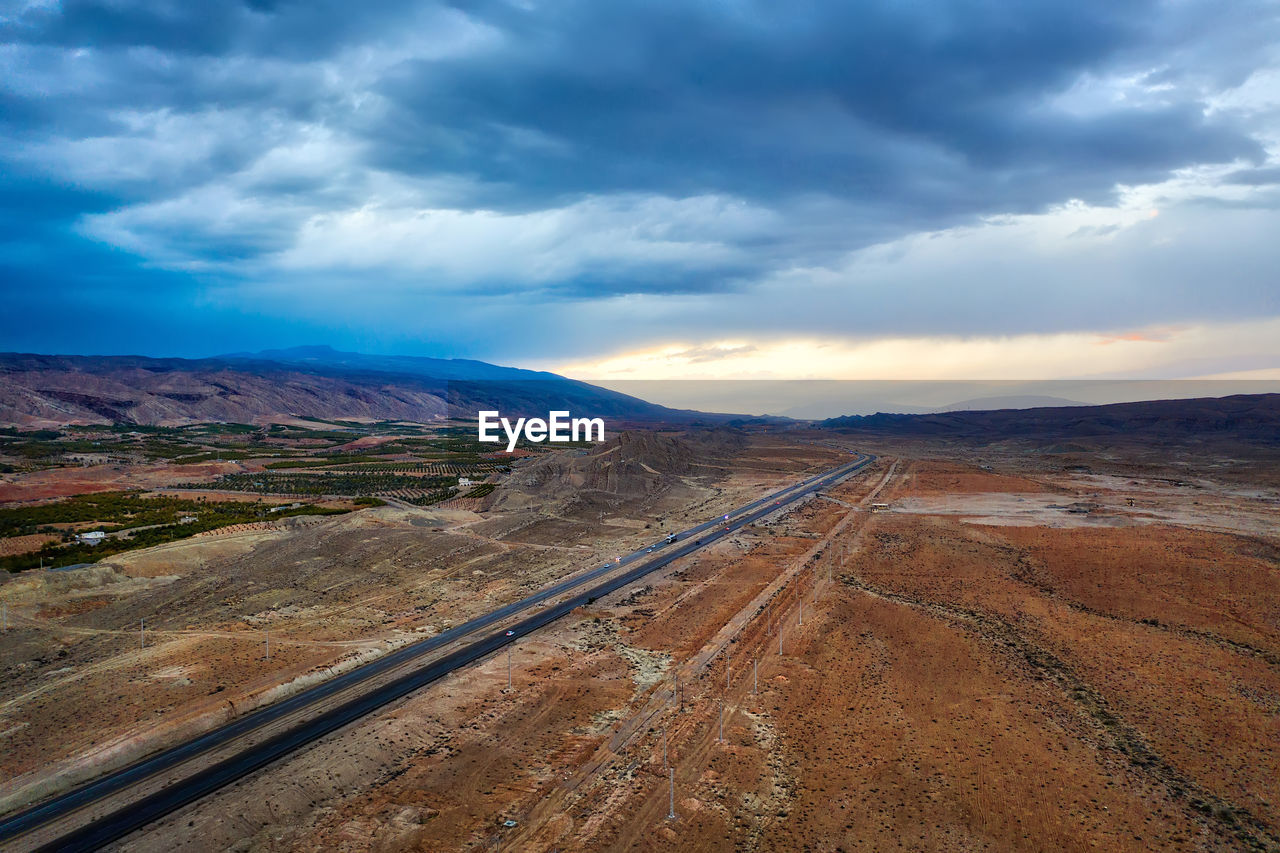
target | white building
[
  {"x": 465, "y": 481},
  {"x": 90, "y": 537}
]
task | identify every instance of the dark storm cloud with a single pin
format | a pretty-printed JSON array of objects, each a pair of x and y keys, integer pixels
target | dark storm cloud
[
  {"x": 926, "y": 110},
  {"x": 299, "y": 29},
  {"x": 152, "y": 125}
]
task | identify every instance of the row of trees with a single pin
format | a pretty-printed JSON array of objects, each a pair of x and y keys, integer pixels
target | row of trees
[
  {"x": 347, "y": 483},
  {"x": 142, "y": 525}
]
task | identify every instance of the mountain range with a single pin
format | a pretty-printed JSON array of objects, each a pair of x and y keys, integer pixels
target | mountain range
[
  {"x": 314, "y": 381},
  {"x": 1252, "y": 417},
  {"x": 320, "y": 382}
]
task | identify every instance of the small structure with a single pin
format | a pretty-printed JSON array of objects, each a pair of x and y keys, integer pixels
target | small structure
[
  {"x": 879, "y": 507},
  {"x": 465, "y": 481},
  {"x": 91, "y": 537},
  {"x": 187, "y": 519}
]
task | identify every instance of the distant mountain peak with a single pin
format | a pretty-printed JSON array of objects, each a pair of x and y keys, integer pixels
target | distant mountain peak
[
  {"x": 457, "y": 369},
  {"x": 306, "y": 351},
  {"x": 1022, "y": 401}
]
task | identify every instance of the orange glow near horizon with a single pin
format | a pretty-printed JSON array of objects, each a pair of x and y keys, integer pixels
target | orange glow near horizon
[{"x": 1125, "y": 354}]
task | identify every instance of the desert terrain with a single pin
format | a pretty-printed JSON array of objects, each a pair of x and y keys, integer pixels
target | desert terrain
[
  {"x": 1015, "y": 654},
  {"x": 963, "y": 647},
  {"x": 107, "y": 662}
]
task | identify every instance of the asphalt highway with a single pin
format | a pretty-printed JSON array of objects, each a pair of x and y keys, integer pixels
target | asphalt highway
[{"x": 546, "y": 606}]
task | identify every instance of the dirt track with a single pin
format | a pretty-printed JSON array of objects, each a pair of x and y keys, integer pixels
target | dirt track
[
  {"x": 1108, "y": 682},
  {"x": 80, "y": 693}
]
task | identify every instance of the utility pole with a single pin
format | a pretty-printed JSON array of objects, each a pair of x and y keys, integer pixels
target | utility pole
[
  {"x": 800, "y": 602},
  {"x": 665, "y": 763},
  {"x": 671, "y": 807}
]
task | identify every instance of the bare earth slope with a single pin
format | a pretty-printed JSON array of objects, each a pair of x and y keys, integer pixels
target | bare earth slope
[
  {"x": 42, "y": 390},
  {"x": 634, "y": 464},
  {"x": 81, "y": 693},
  {"x": 965, "y": 674}
]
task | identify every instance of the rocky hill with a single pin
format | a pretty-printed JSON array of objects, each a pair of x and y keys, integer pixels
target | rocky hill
[
  {"x": 1244, "y": 417},
  {"x": 634, "y": 464},
  {"x": 45, "y": 390}
]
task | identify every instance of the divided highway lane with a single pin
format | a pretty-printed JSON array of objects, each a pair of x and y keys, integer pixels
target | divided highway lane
[{"x": 186, "y": 790}]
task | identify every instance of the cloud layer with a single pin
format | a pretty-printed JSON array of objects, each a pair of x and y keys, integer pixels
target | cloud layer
[{"x": 586, "y": 176}]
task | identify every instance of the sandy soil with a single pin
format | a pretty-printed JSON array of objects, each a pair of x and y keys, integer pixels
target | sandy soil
[
  {"x": 81, "y": 693},
  {"x": 65, "y": 482},
  {"x": 976, "y": 668}
]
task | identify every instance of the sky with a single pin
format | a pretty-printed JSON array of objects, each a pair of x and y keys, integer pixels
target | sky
[{"x": 651, "y": 189}]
